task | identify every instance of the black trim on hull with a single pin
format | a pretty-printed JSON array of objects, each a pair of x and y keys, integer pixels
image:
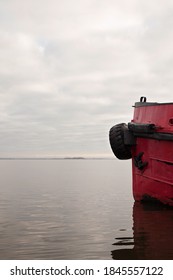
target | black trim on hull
[
  {"x": 156, "y": 136},
  {"x": 148, "y": 131},
  {"x": 141, "y": 127}
]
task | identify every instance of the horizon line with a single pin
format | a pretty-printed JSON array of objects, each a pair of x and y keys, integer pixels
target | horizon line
[{"x": 56, "y": 158}]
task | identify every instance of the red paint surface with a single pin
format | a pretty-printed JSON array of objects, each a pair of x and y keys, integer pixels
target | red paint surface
[{"x": 156, "y": 179}]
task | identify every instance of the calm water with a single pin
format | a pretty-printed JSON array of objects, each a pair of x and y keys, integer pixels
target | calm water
[{"x": 78, "y": 209}]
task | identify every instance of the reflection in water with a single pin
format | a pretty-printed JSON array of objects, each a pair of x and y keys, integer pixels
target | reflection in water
[{"x": 152, "y": 235}]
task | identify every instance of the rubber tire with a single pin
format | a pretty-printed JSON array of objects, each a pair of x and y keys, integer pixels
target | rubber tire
[{"x": 116, "y": 138}]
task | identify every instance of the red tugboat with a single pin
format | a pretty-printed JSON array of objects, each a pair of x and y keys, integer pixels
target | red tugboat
[{"x": 148, "y": 141}]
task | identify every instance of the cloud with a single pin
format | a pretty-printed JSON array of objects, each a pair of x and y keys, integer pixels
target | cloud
[{"x": 72, "y": 69}]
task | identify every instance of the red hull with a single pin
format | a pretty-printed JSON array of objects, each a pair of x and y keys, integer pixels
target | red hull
[
  {"x": 148, "y": 140},
  {"x": 155, "y": 180}
]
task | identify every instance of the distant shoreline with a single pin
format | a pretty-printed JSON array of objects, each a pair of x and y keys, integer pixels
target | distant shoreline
[{"x": 54, "y": 158}]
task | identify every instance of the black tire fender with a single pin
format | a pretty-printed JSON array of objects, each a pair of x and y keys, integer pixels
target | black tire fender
[{"x": 116, "y": 138}]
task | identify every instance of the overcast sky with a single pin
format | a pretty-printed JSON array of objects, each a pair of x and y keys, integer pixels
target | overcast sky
[{"x": 71, "y": 69}]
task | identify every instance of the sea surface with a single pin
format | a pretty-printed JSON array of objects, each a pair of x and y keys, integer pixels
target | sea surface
[{"x": 78, "y": 209}]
